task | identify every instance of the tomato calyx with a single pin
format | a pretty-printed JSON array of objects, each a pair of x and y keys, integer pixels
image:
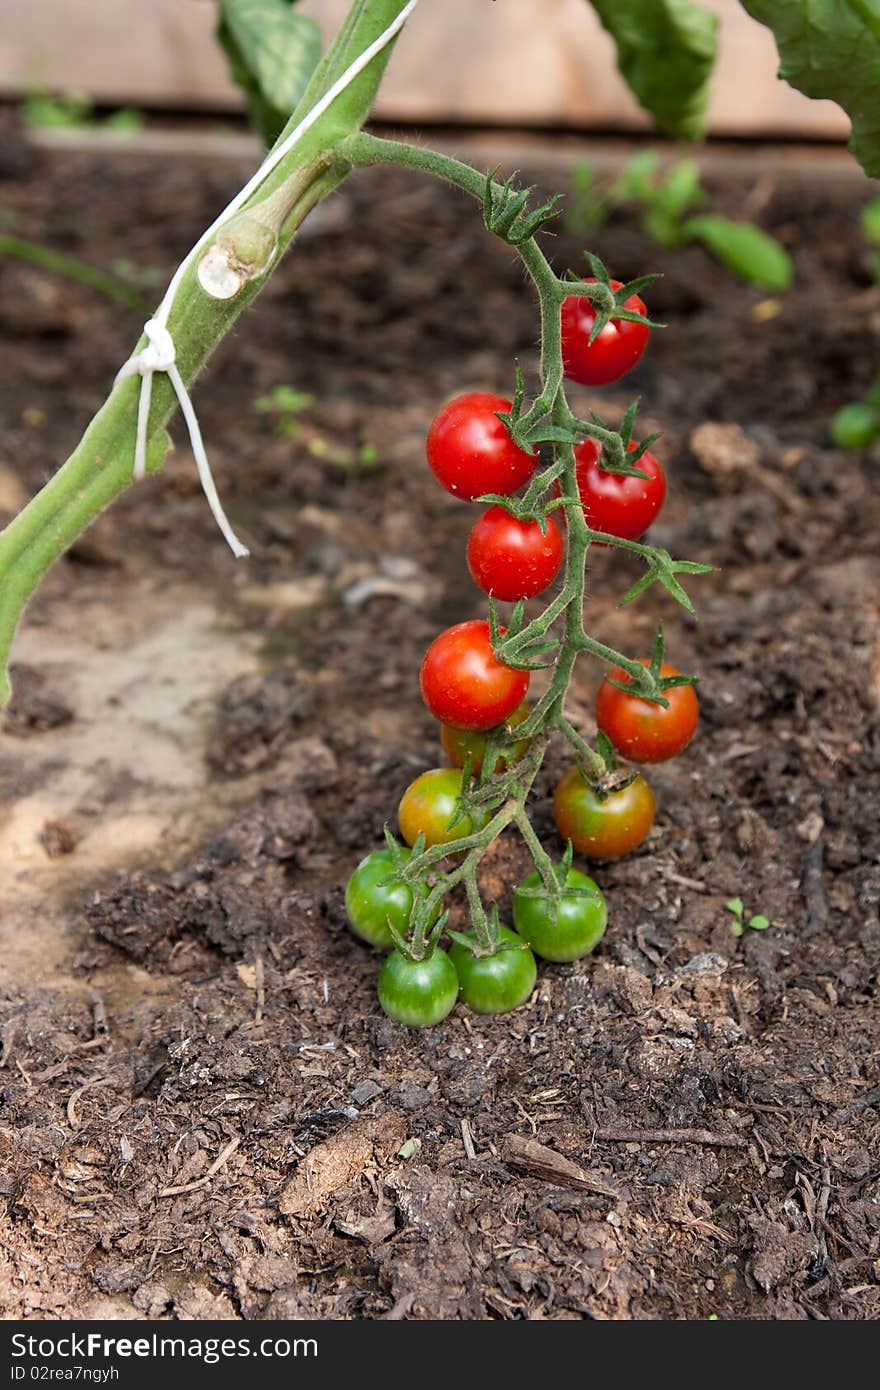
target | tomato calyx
[
  {"x": 604, "y": 776},
  {"x": 531, "y": 428},
  {"x": 609, "y": 303},
  {"x": 398, "y": 855},
  {"x": 506, "y": 648},
  {"x": 506, "y": 214},
  {"x": 425, "y": 927},
  {"x": 413, "y": 951},
  {"x": 560, "y": 873},
  {"x": 650, "y": 685},
  {"x": 662, "y": 569},
  {"x": 424, "y": 935},
  {"x": 526, "y": 508},
  {"x": 625, "y": 467},
  {"x": 496, "y": 939}
]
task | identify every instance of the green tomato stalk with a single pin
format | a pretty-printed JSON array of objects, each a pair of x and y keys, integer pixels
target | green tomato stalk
[{"x": 557, "y": 637}]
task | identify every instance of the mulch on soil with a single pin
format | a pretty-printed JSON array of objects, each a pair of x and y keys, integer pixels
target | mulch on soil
[{"x": 685, "y": 1124}]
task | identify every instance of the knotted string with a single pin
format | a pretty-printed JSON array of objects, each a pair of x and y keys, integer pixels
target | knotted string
[{"x": 160, "y": 354}]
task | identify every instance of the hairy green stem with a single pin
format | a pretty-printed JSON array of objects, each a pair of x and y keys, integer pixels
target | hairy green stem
[
  {"x": 100, "y": 468},
  {"x": 542, "y": 861}
]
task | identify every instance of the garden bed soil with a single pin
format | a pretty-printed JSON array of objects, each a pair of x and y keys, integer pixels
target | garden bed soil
[{"x": 203, "y": 1113}]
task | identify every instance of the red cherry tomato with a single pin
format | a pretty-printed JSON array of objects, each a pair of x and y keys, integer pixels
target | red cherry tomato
[
  {"x": 619, "y": 505},
  {"x": 617, "y": 348},
  {"x": 512, "y": 559},
  {"x": 602, "y": 827},
  {"x": 470, "y": 451},
  {"x": 463, "y": 682},
  {"x": 644, "y": 732}
]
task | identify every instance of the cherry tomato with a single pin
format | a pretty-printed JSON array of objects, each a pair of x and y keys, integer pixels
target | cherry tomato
[
  {"x": 512, "y": 559},
  {"x": 418, "y": 993},
  {"x": 470, "y": 452},
  {"x": 564, "y": 930},
  {"x": 464, "y": 684},
  {"x": 373, "y": 896},
  {"x": 617, "y": 348},
  {"x": 428, "y": 805},
  {"x": 644, "y": 732},
  {"x": 607, "y": 827},
  {"x": 457, "y": 743},
  {"x": 619, "y": 505},
  {"x": 498, "y": 983}
]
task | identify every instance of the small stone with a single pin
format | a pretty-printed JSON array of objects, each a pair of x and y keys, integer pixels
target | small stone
[
  {"x": 708, "y": 963},
  {"x": 723, "y": 448},
  {"x": 726, "y": 1031},
  {"x": 364, "y": 1092},
  {"x": 411, "y": 1097}
]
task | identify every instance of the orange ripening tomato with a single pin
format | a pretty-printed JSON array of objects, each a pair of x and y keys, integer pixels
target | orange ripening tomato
[
  {"x": 604, "y": 827},
  {"x": 428, "y": 806}
]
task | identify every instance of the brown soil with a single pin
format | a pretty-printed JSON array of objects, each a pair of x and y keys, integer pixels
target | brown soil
[{"x": 199, "y": 752}]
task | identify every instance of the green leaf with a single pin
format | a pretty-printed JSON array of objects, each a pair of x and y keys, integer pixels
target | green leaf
[
  {"x": 870, "y": 221},
  {"x": 831, "y": 49},
  {"x": 665, "y": 51},
  {"x": 59, "y": 113},
  {"x": 662, "y": 228},
  {"x": 126, "y": 121},
  {"x": 272, "y": 53},
  {"x": 735, "y": 905},
  {"x": 636, "y": 180},
  {"x": 759, "y": 923},
  {"x": 744, "y": 249},
  {"x": 680, "y": 189}
]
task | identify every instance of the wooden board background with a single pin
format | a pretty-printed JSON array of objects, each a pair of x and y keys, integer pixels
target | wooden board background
[{"x": 461, "y": 61}]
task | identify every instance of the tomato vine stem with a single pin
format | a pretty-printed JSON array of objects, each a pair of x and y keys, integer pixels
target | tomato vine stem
[{"x": 549, "y": 416}]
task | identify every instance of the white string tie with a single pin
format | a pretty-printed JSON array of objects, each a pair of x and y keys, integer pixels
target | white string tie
[
  {"x": 157, "y": 356},
  {"x": 160, "y": 354}
]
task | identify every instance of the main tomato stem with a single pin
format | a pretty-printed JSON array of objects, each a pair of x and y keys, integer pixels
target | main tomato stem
[
  {"x": 549, "y": 420},
  {"x": 101, "y": 467}
]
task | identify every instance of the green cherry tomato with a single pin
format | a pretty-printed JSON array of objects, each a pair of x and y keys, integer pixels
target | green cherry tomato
[
  {"x": 564, "y": 930},
  {"x": 418, "y": 993},
  {"x": 498, "y": 983},
  {"x": 373, "y": 896},
  {"x": 428, "y": 806}
]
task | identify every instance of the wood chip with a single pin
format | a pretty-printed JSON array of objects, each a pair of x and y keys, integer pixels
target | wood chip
[
  {"x": 467, "y": 1139},
  {"x": 540, "y": 1162},
  {"x": 366, "y": 1142},
  {"x": 670, "y": 1136},
  {"x": 222, "y": 1157}
]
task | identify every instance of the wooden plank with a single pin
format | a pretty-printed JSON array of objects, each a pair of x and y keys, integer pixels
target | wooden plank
[{"x": 468, "y": 61}]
